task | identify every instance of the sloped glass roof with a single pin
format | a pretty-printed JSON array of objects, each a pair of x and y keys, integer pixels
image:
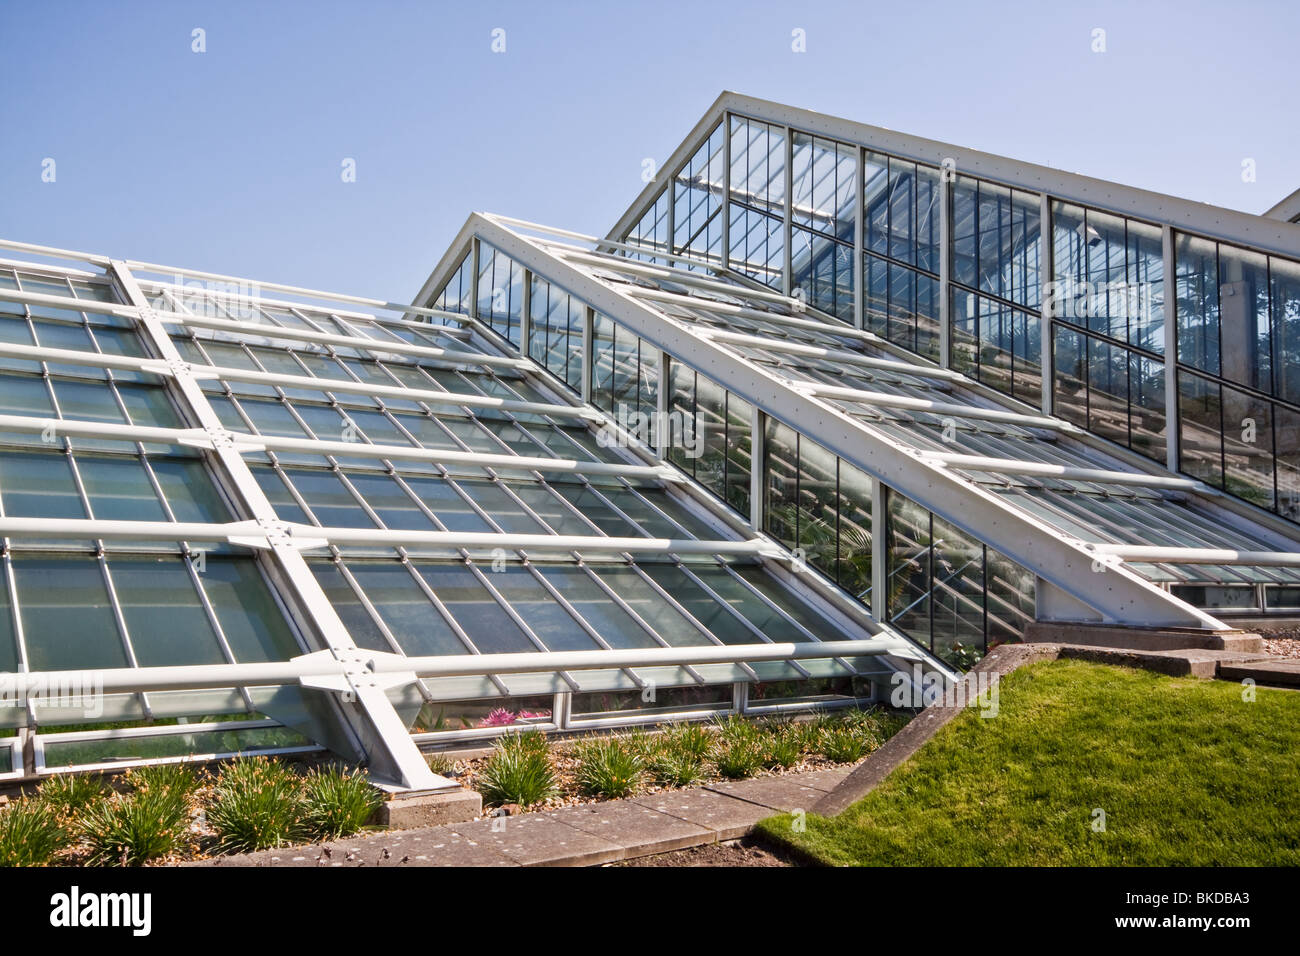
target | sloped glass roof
[
  {"x": 935, "y": 412},
  {"x": 446, "y": 501}
]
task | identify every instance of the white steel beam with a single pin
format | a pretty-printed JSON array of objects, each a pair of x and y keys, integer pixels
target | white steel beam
[
  {"x": 322, "y": 670},
  {"x": 224, "y": 296},
  {"x": 431, "y": 395},
  {"x": 279, "y": 287},
  {"x": 954, "y": 409},
  {"x": 829, "y": 327},
  {"x": 606, "y": 243},
  {"x": 679, "y": 276},
  {"x": 1158, "y": 555},
  {"x": 1106, "y": 476},
  {"x": 266, "y": 330},
  {"x": 305, "y": 537},
  {"x": 843, "y": 356},
  {"x": 394, "y": 758},
  {"x": 394, "y": 347},
  {"x": 218, "y": 437}
]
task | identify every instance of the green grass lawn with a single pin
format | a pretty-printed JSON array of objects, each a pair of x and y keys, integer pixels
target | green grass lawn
[{"x": 1187, "y": 772}]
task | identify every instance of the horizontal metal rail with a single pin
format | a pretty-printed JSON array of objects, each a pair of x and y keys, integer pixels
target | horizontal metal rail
[
  {"x": 321, "y": 668},
  {"x": 829, "y": 328},
  {"x": 305, "y": 536},
  {"x": 782, "y": 346},
  {"x": 636, "y": 267},
  {"x": 1161, "y": 555},
  {"x": 1105, "y": 476},
  {"x": 225, "y": 296},
  {"x": 265, "y": 330},
  {"x": 247, "y": 442},
  {"x": 604, "y": 243},
  {"x": 37, "y": 353},
  {"x": 953, "y": 409}
]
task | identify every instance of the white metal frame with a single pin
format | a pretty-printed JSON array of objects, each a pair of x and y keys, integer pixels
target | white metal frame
[{"x": 1064, "y": 564}]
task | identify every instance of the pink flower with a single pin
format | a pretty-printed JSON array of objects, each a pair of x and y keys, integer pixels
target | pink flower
[
  {"x": 498, "y": 718},
  {"x": 525, "y": 714}
]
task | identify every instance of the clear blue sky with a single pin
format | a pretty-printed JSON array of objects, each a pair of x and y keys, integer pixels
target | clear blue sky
[{"x": 230, "y": 160}]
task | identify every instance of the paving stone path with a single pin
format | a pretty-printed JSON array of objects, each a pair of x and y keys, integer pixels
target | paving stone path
[{"x": 586, "y": 835}]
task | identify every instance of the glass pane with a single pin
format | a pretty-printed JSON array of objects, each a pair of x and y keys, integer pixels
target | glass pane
[
  {"x": 1200, "y": 442},
  {"x": 164, "y": 617},
  {"x": 780, "y": 509},
  {"x": 250, "y": 617},
  {"x": 66, "y": 614}
]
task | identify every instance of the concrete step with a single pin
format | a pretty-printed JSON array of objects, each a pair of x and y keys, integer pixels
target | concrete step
[
  {"x": 1143, "y": 638},
  {"x": 1278, "y": 671}
]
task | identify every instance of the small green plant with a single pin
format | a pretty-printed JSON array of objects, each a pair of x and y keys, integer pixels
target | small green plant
[
  {"x": 687, "y": 741},
  {"x": 519, "y": 771},
  {"x": 782, "y": 747},
  {"x": 644, "y": 744},
  {"x": 69, "y": 794},
  {"x": 442, "y": 764},
  {"x": 256, "y": 805},
  {"x": 167, "y": 776},
  {"x": 131, "y": 829},
  {"x": 337, "y": 803},
  {"x": 866, "y": 722},
  {"x": 31, "y": 832},
  {"x": 608, "y": 768},
  {"x": 844, "y": 744},
  {"x": 738, "y": 757},
  {"x": 735, "y": 729},
  {"x": 675, "y": 769},
  {"x": 529, "y": 741}
]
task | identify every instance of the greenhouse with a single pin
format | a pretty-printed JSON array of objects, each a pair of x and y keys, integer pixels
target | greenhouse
[{"x": 828, "y": 408}]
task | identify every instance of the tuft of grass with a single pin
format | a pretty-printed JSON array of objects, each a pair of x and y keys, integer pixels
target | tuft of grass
[
  {"x": 691, "y": 741},
  {"x": 337, "y": 803},
  {"x": 738, "y": 757},
  {"x": 519, "y": 771},
  {"x": 31, "y": 832},
  {"x": 529, "y": 741},
  {"x": 845, "y": 744},
  {"x": 736, "y": 729},
  {"x": 674, "y": 769},
  {"x": 644, "y": 744},
  {"x": 441, "y": 764},
  {"x": 132, "y": 829},
  {"x": 257, "y": 804},
  {"x": 608, "y": 768},
  {"x": 781, "y": 747},
  {"x": 70, "y": 794},
  {"x": 179, "y": 777},
  {"x": 1187, "y": 772}
]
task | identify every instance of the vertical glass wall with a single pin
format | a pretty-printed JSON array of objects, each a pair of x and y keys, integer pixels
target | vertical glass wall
[
  {"x": 757, "y": 200},
  {"x": 902, "y": 252},
  {"x": 823, "y": 208},
  {"x": 555, "y": 331},
  {"x": 1107, "y": 299},
  {"x": 711, "y": 435},
  {"x": 1238, "y": 320},
  {"x": 819, "y": 503},
  {"x": 651, "y": 232},
  {"x": 698, "y": 190},
  {"x": 996, "y": 263},
  {"x": 457, "y": 295},
  {"x": 500, "y": 292},
  {"x": 625, "y": 377},
  {"x": 947, "y": 591}
]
